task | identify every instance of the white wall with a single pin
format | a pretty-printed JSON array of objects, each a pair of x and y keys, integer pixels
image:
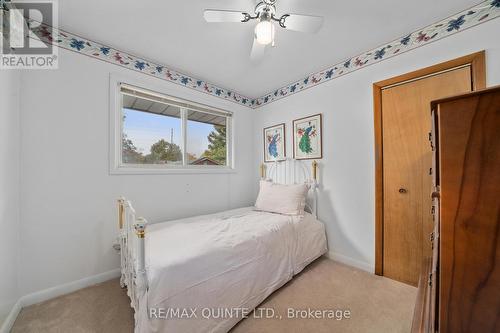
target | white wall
[
  {"x": 346, "y": 198},
  {"x": 67, "y": 211},
  {"x": 68, "y": 208},
  {"x": 9, "y": 189}
]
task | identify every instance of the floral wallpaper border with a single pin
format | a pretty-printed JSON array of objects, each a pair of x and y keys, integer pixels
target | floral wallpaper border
[
  {"x": 484, "y": 11},
  {"x": 93, "y": 49},
  {"x": 480, "y": 13}
]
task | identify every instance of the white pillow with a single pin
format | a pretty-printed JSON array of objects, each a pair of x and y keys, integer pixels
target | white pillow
[{"x": 282, "y": 199}]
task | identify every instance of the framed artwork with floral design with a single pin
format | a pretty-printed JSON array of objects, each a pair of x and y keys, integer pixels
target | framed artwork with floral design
[
  {"x": 307, "y": 138},
  {"x": 274, "y": 143}
]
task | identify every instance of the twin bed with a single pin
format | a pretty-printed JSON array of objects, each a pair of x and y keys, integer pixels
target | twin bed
[{"x": 204, "y": 273}]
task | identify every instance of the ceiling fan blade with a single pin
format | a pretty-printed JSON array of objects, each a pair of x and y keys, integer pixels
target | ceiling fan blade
[
  {"x": 257, "y": 52},
  {"x": 214, "y": 15},
  {"x": 303, "y": 23}
]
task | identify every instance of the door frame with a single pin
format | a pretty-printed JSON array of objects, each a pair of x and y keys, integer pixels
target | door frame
[{"x": 477, "y": 62}]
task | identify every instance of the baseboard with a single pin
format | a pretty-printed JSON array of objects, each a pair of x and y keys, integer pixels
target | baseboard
[
  {"x": 46, "y": 294},
  {"x": 67, "y": 288},
  {"x": 350, "y": 261},
  {"x": 11, "y": 318}
]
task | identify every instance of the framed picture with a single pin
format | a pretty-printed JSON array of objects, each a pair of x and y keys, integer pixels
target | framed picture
[
  {"x": 307, "y": 138},
  {"x": 274, "y": 143}
]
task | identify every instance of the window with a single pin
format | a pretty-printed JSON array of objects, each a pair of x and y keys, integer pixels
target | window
[
  {"x": 207, "y": 138},
  {"x": 158, "y": 132}
]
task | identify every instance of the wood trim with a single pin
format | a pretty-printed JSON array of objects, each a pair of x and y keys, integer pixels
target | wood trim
[
  {"x": 435, "y": 103},
  {"x": 429, "y": 76},
  {"x": 421, "y": 312},
  {"x": 477, "y": 61},
  {"x": 379, "y": 182},
  {"x": 478, "y": 64}
]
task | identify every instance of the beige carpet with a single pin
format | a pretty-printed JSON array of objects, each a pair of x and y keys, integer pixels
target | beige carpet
[{"x": 376, "y": 304}]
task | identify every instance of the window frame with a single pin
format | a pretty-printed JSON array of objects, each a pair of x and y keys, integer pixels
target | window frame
[{"x": 117, "y": 167}]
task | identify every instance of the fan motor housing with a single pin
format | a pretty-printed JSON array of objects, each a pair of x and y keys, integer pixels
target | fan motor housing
[{"x": 266, "y": 8}]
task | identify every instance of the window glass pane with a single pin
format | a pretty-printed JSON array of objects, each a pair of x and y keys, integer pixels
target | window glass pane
[
  {"x": 206, "y": 139},
  {"x": 151, "y": 132}
]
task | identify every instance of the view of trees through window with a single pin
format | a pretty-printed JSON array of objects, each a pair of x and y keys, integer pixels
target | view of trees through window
[
  {"x": 206, "y": 139},
  {"x": 149, "y": 138}
]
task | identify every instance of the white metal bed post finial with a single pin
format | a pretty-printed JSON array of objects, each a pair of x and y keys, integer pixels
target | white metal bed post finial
[
  {"x": 314, "y": 166},
  {"x": 121, "y": 202},
  {"x": 122, "y": 235},
  {"x": 140, "y": 230},
  {"x": 277, "y": 180}
]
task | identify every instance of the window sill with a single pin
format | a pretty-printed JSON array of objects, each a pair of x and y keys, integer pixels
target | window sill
[{"x": 148, "y": 170}]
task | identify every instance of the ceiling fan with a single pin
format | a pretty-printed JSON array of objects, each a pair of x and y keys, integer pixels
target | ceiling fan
[{"x": 265, "y": 14}]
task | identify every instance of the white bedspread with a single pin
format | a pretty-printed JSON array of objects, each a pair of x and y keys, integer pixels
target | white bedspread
[{"x": 231, "y": 260}]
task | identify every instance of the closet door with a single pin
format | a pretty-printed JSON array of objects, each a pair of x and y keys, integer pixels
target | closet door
[{"x": 407, "y": 169}]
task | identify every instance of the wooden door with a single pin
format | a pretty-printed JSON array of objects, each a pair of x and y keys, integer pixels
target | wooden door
[{"x": 407, "y": 163}]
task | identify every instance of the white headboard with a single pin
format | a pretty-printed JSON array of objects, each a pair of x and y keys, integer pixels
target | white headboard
[{"x": 291, "y": 171}]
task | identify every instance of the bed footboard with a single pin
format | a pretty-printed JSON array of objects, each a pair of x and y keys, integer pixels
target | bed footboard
[{"x": 132, "y": 231}]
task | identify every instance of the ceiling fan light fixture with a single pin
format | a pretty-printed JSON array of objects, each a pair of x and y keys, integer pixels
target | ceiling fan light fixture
[
  {"x": 267, "y": 20},
  {"x": 264, "y": 32}
]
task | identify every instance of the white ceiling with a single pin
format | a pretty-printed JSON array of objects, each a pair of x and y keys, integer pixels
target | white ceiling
[{"x": 175, "y": 34}]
